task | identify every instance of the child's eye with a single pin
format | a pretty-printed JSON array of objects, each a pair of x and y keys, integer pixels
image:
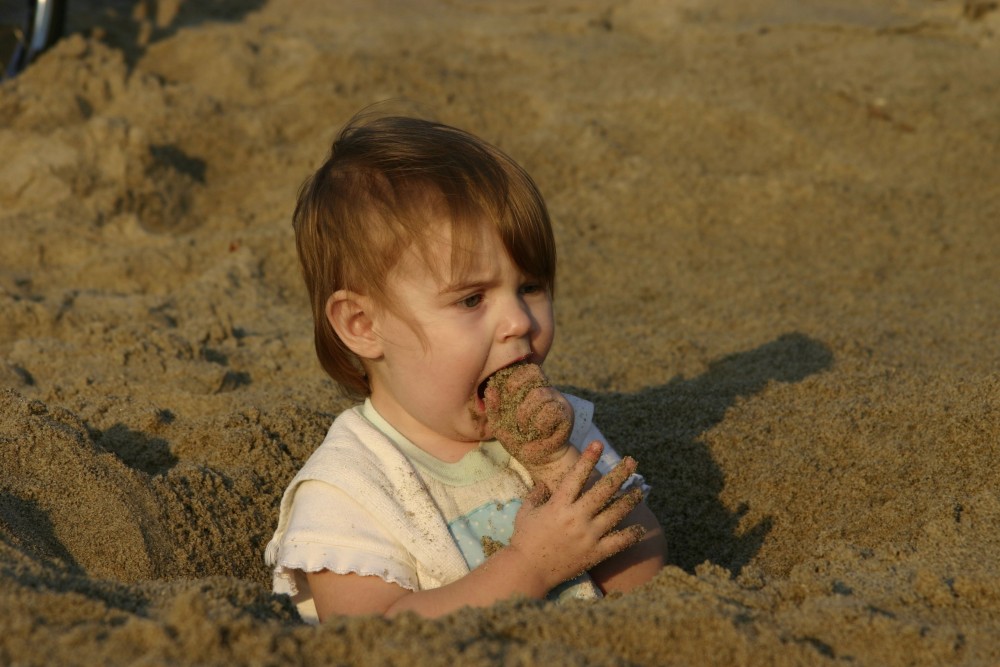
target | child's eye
[
  {"x": 471, "y": 301},
  {"x": 531, "y": 288}
]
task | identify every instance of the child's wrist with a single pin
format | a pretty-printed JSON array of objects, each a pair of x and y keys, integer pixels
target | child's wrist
[
  {"x": 532, "y": 579},
  {"x": 551, "y": 471}
]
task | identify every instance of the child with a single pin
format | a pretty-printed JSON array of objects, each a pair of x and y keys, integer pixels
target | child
[{"x": 430, "y": 264}]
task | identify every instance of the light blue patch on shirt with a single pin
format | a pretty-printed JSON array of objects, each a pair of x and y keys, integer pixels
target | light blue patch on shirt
[{"x": 495, "y": 520}]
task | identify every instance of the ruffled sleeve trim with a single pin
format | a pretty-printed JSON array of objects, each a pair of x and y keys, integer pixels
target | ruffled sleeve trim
[{"x": 315, "y": 556}]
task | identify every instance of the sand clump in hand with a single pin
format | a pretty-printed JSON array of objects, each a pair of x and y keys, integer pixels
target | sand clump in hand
[
  {"x": 520, "y": 418},
  {"x": 513, "y": 385}
]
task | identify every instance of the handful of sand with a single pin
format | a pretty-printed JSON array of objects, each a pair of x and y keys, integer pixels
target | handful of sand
[{"x": 529, "y": 418}]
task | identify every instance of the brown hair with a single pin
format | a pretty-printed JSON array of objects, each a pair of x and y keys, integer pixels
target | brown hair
[{"x": 385, "y": 180}]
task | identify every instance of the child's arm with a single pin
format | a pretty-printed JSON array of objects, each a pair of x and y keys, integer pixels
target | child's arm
[
  {"x": 640, "y": 562},
  {"x": 544, "y": 410},
  {"x": 633, "y": 566},
  {"x": 553, "y": 541}
]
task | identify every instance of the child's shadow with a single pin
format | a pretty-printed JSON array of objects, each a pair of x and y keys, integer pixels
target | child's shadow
[{"x": 662, "y": 428}]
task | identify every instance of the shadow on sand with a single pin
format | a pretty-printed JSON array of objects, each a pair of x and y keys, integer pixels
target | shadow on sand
[
  {"x": 662, "y": 428},
  {"x": 132, "y": 25}
]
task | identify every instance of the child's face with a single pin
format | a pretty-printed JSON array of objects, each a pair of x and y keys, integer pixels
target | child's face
[{"x": 472, "y": 326}]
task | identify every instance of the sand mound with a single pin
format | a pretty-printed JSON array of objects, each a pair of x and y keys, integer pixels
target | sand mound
[{"x": 777, "y": 231}]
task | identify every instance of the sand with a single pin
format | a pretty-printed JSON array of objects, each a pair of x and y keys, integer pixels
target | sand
[
  {"x": 530, "y": 424},
  {"x": 778, "y": 225}
]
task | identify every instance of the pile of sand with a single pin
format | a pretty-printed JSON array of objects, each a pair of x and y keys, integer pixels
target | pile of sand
[{"x": 778, "y": 282}]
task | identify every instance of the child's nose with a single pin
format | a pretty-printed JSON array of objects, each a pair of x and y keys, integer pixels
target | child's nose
[{"x": 517, "y": 319}]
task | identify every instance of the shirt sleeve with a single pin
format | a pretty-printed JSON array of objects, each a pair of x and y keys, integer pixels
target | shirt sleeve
[{"x": 329, "y": 530}]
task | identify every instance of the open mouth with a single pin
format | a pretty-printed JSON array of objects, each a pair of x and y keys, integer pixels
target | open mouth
[{"x": 481, "y": 389}]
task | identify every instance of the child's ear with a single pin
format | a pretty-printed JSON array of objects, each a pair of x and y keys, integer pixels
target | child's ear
[{"x": 350, "y": 315}]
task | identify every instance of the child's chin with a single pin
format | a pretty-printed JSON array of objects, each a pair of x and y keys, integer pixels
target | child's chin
[{"x": 485, "y": 430}]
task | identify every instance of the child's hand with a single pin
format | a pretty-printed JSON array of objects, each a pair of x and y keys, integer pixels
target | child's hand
[
  {"x": 569, "y": 532},
  {"x": 529, "y": 418}
]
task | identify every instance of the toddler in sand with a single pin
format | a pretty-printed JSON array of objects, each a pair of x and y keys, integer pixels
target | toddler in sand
[{"x": 430, "y": 264}]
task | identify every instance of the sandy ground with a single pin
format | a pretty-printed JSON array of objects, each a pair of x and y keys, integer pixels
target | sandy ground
[{"x": 779, "y": 224}]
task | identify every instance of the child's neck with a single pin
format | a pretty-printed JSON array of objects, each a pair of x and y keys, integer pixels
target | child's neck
[
  {"x": 435, "y": 444},
  {"x": 449, "y": 452}
]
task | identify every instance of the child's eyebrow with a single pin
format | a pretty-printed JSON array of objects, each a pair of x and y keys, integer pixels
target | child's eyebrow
[{"x": 465, "y": 285}]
